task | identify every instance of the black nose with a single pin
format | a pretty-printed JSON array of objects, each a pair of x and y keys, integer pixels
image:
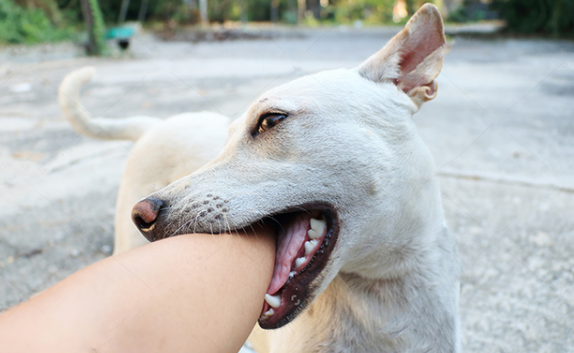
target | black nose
[{"x": 145, "y": 214}]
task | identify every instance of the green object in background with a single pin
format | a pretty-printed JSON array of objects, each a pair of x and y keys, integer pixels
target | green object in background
[
  {"x": 95, "y": 26},
  {"x": 120, "y": 33}
]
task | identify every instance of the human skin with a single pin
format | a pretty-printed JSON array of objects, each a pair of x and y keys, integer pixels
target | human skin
[{"x": 190, "y": 293}]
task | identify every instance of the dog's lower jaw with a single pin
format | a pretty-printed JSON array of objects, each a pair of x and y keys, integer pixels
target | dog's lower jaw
[{"x": 416, "y": 312}]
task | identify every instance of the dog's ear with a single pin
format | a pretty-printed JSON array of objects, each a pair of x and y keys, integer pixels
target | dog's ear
[{"x": 413, "y": 58}]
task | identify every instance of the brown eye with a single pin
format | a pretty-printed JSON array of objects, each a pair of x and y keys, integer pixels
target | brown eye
[{"x": 269, "y": 121}]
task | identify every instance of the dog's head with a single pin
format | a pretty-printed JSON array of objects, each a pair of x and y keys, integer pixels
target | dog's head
[{"x": 332, "y": 162}]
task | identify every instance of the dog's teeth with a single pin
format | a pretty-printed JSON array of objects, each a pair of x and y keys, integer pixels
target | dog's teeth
[
  {"x": 318, "y": 225},
  {"x": 269, "y": 312},
  {"x": 309, "y": 246},
  {"x": 274, "y": 301},
  {"x": 312, "y": 234},
  {"x": 298, "y": 262},
  {"x": 292, "y": 274},
  {"x": 317, "y": 228}
]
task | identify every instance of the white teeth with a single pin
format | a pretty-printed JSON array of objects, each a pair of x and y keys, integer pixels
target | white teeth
[
  {"x": 269, "y": 312},
  {"x": 312, "y": 234},
  {"x": 292, "y": 274},
  {"x": 274, "y": 301},
  {"x": 309, "y": 246},
  {"x": 317, "y": 228},
  {"x": 298, "y": 262}
]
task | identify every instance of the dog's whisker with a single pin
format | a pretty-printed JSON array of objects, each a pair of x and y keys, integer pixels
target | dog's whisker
[
  {"x": 178, "y": 229},
  {"x": 227, "y": 223},
  {"x": 195, "y": 220},
  {"x": 174, "y": 232},
  {"x": 276, "y": 221},
  {"x": 194, "y": 225},
  {"x": 220, "y": 230}
]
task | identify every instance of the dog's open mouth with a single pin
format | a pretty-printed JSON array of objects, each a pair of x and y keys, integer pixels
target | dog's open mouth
[
  {"x": 304, "y": 242},
  {"x": 306, "y": 236}
]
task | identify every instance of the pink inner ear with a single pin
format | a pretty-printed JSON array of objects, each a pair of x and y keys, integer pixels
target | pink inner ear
[{"x": 414, "y": 51}]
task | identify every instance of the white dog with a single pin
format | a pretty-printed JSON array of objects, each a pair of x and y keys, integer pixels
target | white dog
[
  {"x": 165, "y": 150},
  {"x": 333, "y": 162}
]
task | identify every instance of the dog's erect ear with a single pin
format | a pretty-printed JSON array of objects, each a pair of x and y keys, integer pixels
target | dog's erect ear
[{"x": 413, "y": 58}]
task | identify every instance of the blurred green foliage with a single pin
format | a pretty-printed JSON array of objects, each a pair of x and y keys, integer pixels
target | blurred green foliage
[
  {"x": 30, "y": 21},
  {"x": 369, "y": 11},
  {"x": 23, "y": 25},
  {"x": 545, "y": 17},
  {"x": 187, "y": 11}
]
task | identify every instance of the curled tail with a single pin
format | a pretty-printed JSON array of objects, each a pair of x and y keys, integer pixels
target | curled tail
[{"x": 105, "y": 129}]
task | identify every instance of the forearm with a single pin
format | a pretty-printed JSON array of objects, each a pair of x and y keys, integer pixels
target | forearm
[{"x": 199, "y": 293}]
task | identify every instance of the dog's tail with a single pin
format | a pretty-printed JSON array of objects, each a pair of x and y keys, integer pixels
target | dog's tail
[{"x": 104, "y": 129}]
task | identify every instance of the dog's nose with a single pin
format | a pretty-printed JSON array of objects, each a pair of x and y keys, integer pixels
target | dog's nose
[{"x": 144, "y": 215}]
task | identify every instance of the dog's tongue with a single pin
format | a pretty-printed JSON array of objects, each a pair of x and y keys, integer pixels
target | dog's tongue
[{"x": 291, "y": 240}]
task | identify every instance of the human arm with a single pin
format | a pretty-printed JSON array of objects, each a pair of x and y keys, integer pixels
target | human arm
[{"x": 200, "y": 293}]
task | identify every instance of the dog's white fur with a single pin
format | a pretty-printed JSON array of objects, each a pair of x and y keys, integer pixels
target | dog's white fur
[
  {"x": 391, "y": 283},
  {"x": 164, "y": 151}
]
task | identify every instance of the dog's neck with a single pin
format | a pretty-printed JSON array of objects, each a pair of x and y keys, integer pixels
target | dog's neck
[
  {"x": 414, "y": 312},
  {"x": 423, "y": 301}
]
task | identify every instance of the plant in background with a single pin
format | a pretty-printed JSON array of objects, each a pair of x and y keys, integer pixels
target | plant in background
[
  {"x": 370, "y": 11},
  {"x": 27, "y": 25},
  {"x": 544, "y": 17}
]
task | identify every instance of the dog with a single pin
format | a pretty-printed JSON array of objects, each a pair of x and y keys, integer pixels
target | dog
[
  {"x": 332, "y": 161},
  {"x": 164, "y": 150}
]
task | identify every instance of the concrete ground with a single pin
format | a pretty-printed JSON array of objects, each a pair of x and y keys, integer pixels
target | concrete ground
[{"x": 501, "y": 130}]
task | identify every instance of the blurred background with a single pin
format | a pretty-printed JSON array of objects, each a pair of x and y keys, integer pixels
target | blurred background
[
  {"x": 36, "y": 21},
  {"x": 501, "y": 130}
]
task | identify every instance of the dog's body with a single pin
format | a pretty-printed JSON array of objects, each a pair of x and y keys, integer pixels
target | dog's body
[
  {"x": 164, "y": 150},
  {"x": 338, "y": 149}
]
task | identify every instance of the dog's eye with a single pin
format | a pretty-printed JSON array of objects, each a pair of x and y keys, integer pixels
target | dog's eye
[{"x": 268, "y": 121}]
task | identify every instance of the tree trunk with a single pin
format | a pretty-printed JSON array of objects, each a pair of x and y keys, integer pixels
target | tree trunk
[
  {"x": 316, "y": 8},
  {"x": 95, "y": 27},
  {"x": 89, "y": 24},
  {"x": 274, "y": 10},
  {"x": 243, "y": 15},
  {"x": 143, "y": 11},
  {"x": 123, "y": 11},
  {"x": 203, "y": 13},
  {"x": 301, "y": 8}
]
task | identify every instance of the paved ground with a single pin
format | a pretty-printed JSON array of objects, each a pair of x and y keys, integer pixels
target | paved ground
[{"x": 501, "y": 130}]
